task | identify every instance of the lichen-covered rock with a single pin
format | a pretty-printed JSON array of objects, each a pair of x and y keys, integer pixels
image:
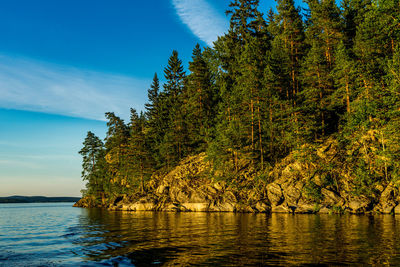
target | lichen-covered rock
[
  {"x": 387, "y": 200},
  {"x": 262, "y": 207},
  {"x": 304, "y": 206},
  {"x": 170, "y": 207},
  {"x": 359, "y": 205},
  {"x": 388, "y": 208},
  {"x": 219, "y": 186},
  {"x": 324, "y": 210},
  {"x": 197, "y": 197},
  {"x": 162, "y": 189},
  {"x": 330, "y": 198},
  {"x": 86, "y": 202},
  {"x": 222, "y": 207},
  {"x": 228, "y": 196},
  {"x": 275, "y": 195},
  {"x": 280, "y": 209},
  {"x": 292, "y": 192},
  {"x": 396, "y": 210},
  {"x": 244, "y": 208},
  {"x": 390, "y": 193},
  {"x": 195, "y": 206}
]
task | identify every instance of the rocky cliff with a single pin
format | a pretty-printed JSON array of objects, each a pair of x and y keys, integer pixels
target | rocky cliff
[{"x": 310, "y": 180}]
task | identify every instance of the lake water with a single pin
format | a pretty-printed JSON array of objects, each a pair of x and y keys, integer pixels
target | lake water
[{"x": 58, "y": 234}]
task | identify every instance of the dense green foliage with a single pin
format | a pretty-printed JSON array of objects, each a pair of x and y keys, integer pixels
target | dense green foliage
[{"x": 269, "y": 86}]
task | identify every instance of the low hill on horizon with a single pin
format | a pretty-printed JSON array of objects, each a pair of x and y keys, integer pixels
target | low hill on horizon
[{"x": 36, "y": 199}]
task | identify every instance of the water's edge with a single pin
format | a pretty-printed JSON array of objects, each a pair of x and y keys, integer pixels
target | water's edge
[{"x": 48, "y": 234}]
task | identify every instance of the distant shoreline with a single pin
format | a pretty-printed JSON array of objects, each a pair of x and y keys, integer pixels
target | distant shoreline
[{"x": 36, "y": 199}]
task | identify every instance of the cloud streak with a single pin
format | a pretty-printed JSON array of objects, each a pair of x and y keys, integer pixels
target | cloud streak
[
  {"x": 19, "y": 164},
  {"x": 202, "y": 19},
  {"x": 36, "y": 86}
]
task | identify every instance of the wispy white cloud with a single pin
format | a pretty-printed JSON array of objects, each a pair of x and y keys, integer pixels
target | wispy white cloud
[
  {"x": 36, "y": 86},
  {"x": 35, "y": 161},
  {"x": 19, "y": 164},
  {"x": 45, "y": 157},
  {"x": 202, "y": 19}
]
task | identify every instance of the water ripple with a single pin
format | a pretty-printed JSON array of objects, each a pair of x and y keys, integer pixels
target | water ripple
[{"x": 57, "y": 234}]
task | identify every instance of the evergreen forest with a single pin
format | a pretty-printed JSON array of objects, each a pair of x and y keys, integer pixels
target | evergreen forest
[{"x": 276, "y": 83}]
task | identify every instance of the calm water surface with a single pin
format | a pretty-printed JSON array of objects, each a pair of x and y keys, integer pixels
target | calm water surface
[{"x": 57, "y": 234}]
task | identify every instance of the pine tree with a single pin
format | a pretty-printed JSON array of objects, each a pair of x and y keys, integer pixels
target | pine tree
[
  {"x": 353, "y": 15},
  {"x": 116, "y": 153},
  {"x": 153, "y": 99},
  {"x": 323, "y": 35},
  {"x": 199, "y": 102},
  {"x": 118, "y": 132},
  {"x": 345, "y": 80},
  {"x": 249, "y": 88},
  {"x": 242, "y": 50},
  {"x": 139, "y": 156},
  {"x": 317, "y": 87},
  {"x": 375, "y": 43},
  {"x": 390, "y": 134},
  {"x": 245, "y": 18},
  {"x": 292, "y": 35},
  {"x": 278, "y": 105},
  {"x": 93, "y": 169},
  {"x": 155, "y": 118},
  {"x": 172, "y": 147},
  {"x": 282, "y": 80}
]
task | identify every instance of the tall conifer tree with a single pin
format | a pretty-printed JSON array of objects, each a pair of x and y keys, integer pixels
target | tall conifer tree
[
  {"x": 156, "y": 118},
  {"x": 116, "y": 153},
  {"x": 175, "y": 137},
  {"x": 93, "y": 167},
  {"x": 139, "y": 156},
  {"x": 323, "y": 34},
  {"x": 199, "y": 102}
]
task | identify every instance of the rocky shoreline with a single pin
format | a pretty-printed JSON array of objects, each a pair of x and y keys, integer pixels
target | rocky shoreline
[
  {"x": 292, "y": 186},
  {"x": 332, "y": 203}
]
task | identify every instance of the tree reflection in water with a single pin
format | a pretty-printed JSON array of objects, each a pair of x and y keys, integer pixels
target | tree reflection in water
[{"x": 161, "y": 238}]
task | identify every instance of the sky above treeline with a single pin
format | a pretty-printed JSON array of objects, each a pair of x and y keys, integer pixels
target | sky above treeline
[{"x": 64, "y": 63}]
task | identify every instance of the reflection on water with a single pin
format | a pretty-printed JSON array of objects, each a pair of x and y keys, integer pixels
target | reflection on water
[
  {"x": 57, "y": 234},
  {"x": 238, "y": 239}
]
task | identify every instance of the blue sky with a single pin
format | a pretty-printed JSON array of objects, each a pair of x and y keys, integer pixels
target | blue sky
[{"x": 64, "y": 63}]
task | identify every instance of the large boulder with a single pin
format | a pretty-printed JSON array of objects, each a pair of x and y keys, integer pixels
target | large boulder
[
  {"x": 387, "y": 200},
  {"x": 195, "y": 206},
  {"x": 197, "y": 197},
  {"x": 228, "y": 196},
  {"x": 292, "y": 192},
  {"x": 162, "y": 189},
  {"x": 90, "y": 202},
  {"x": 170, "y": 207},
  {"x": 280, "y": 209},
  {"x": 262, "y": 207},
  {"x": 304, "y": 206},
  {"x": 390, "y": 193},
  {"x": 138, "y": 206},
  {"x": 397, "y": 210},
  {"x": 180, "y": 196},
  {"x": 330, "y": 198},
  {"x": 274, "y": 193},
  {"x": 223, "y": 207},
  {"x": 359, "y": 204}
]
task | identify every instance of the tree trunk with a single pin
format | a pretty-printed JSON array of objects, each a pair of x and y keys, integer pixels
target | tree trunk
[
  {"x": 321, "y": 103},
  {"x": 347, "y": 96},
  {"x": 252, "y": 124},
  {"x": 383, "y": 147},
  {"x": 260, "y": 133},
  {"x": 141, "y": 177}
]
